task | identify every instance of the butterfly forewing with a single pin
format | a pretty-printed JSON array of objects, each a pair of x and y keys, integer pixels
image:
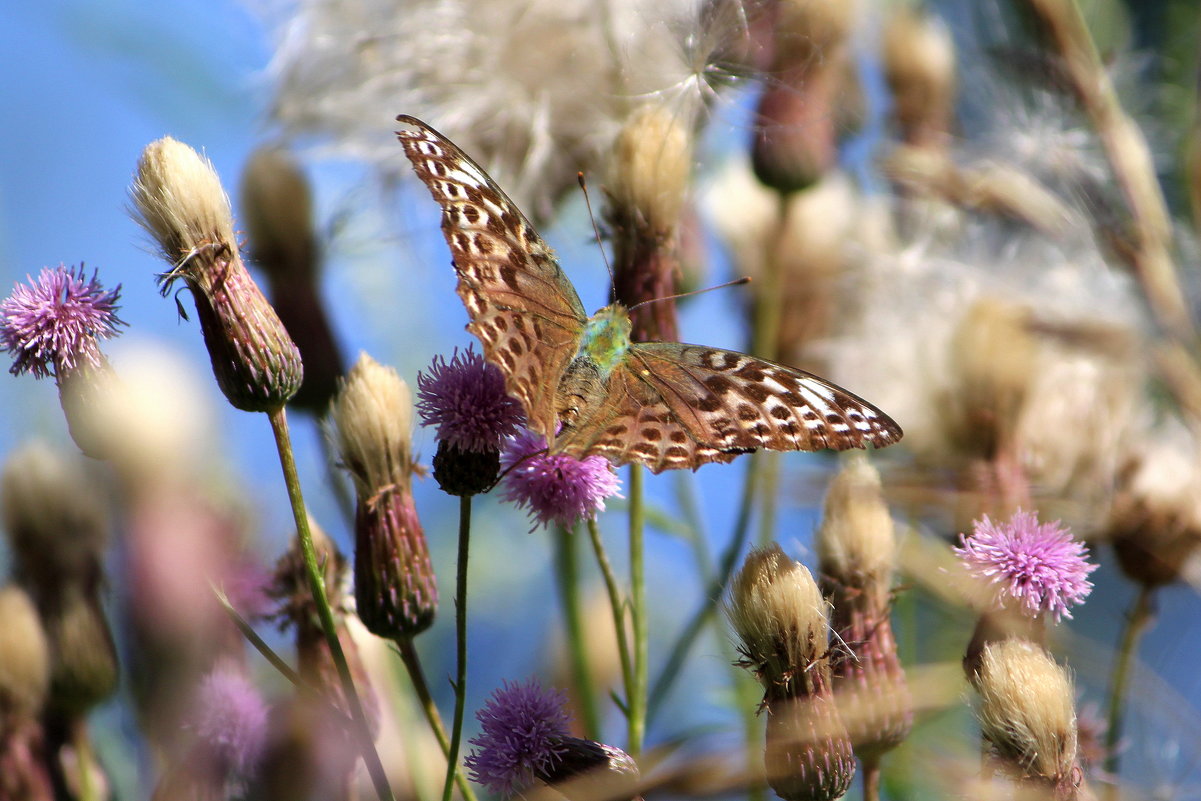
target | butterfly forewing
[
  {"x": 674, "y": 405},
  {"x": 525, "y": 312}
]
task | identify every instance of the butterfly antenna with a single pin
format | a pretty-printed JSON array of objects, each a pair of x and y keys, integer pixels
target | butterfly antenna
[
  {"x": 579, "y": 176},
  {"x": 517, "y": 464},
  {"x": 746, "y": 279}
]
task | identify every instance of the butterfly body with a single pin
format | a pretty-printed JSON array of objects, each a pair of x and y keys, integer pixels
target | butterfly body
[{"x": 584, "y": 385}]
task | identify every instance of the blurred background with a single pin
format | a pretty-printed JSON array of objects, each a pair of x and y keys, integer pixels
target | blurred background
[{"x": 88, "y": 85}]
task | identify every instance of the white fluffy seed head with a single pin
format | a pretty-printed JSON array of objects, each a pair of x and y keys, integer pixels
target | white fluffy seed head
[{"x": 371, "y": 424}]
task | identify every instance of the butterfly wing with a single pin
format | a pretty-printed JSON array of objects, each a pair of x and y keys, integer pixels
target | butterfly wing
[
  {"x": 671, "y": 406},
  {"x": 525, "y": 312}
]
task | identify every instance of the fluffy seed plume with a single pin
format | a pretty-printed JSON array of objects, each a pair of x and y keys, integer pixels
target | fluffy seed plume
[{"x": 178, "y": 199}]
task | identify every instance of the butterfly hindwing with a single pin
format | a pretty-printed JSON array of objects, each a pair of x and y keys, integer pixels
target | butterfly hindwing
[{"x": 522, "y": 307}]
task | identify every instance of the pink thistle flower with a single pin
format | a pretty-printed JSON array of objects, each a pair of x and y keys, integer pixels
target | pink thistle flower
[
  {"x": 51, "y": 325},
  {"x": 557, "y": 488},
  {"x": 1039, "y": 565},
  {"x": 524, "y": 735},
  {"x": 466, "y": 399},
  {"x": 231, "y": 718}
]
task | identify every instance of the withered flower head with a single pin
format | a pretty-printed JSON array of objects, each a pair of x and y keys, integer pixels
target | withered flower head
[
  {"x": 371, "y": 424},
  {"x": 178, "y": 199},
  {"x": 1027, "y": 714},
  {"x": 856, "y": 542}
]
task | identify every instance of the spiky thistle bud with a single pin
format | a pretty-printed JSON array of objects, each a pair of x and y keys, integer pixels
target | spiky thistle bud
[
  {"x": 779, "y": 615},
  {"x": 919, "y": 65},
  {"x": 371, "y": 424},
  {"x": 856, "y": 545},
  {"x": 1028, "y": 717},
  {"x": 277, "y": 209},
  {"x": 648, "y": 187},
  {"x": 178, "y": 199}
]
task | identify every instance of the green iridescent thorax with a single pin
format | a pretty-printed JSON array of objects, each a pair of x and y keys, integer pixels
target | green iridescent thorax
[{"x": 606, "y": 338}]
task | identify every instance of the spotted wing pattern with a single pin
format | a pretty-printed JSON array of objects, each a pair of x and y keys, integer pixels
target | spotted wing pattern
[
  {"x": 674, "y": 406},
  {"x": 522, "y": 307}
]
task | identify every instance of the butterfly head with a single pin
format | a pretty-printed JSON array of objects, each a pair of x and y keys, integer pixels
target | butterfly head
[{"x": 606, "y": 338}]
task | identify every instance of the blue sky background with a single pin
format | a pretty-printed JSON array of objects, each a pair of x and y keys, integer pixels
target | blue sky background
[{"x": 86, "y": 85}]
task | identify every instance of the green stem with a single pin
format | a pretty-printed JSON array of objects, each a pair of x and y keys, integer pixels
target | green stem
[
  {"x": 769, "y": 496},
  {"x": 567, "y": 573},
  {"x": 618, "y": 607},
  {"x": 713, "y": 592},
  {"x": 1136, "y": 624},
  {"x": 83, "y": 757},
  {"x": 637, "y": 697},
  {"x": 460, "y": 685},
  {"x": 283, "y": 443},
  {"x": 412, "y": 663}
]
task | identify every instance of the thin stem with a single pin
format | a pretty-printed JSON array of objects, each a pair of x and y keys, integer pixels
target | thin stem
[
  {"x": 460, "y": 685},
  {"x": 713, "y": 592},
  {"x": 83, "y": 757},
  {"x": 412, "y": 663},
  {"x": 871, "y": 780},
  {"x": 283, "y": 443},
  {"x": 637, "y": 696},
  {"x": 1136, "y": 624},
  {"x": 567, "y": 574},
  {"x": 616, "y": 604}
]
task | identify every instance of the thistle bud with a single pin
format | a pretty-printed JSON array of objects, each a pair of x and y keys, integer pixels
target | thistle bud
[
  {"x": 179, "y": 200},
  {"x": 794, "y": 142},
  {"x": 779, "y": 616},
  {"x": 1155, "y": 520},
  {"x": 395, "y": 590},
  {"x": 919, "y": 65},
  {"x": 56, "y": 520},
  {"x": 277, "y": 207},
  {"x": 855, "y": 545},
  {"x": 1027, "y": 715},
  {"x": 992, "y": 365},
  {"x": 24, "y": 660},
  {"x": 647, "y": 191}
]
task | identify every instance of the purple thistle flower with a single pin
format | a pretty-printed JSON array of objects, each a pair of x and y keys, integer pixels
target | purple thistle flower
[
  {"x": 557, "y": 488},
  {"x": 466, "y": 399},
  {"x": 524, "y": 735},
  {"x": 230, "y": 717},
  {"x": 1037, "y": 564},
  {"x": 51, "y": 325}
]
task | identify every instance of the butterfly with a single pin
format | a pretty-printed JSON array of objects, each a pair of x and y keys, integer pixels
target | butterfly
[{"x": 585, "y": 386}]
